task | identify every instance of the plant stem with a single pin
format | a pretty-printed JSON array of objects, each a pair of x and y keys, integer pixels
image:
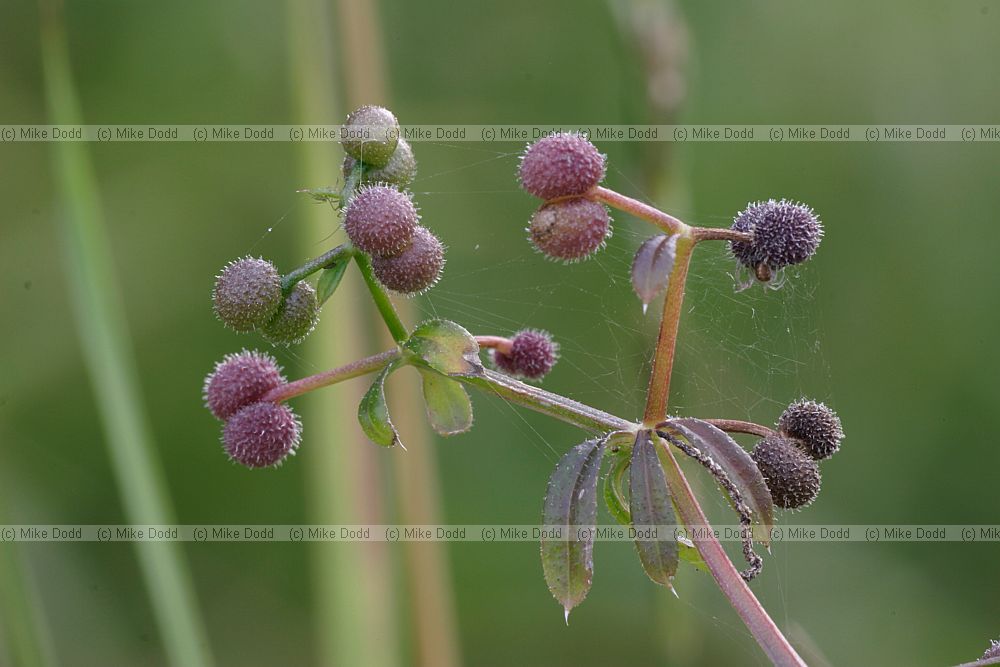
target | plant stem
[
  {"x": 325, "y": 379},
  {"x": 327, "y": 259},
  {"x": 382, "y": 302},
  {"x": 664, "y": 221},
  {"x": 658, "y": 392},
  {"x": 107, "y": 349},
  {"x": 718, "y": 234},
  {"x": 746, "y": 604},
  {"x": 498, "y": 343},
  {"x": 547, "y": 403},
  {"x": 737, "y": 426}
]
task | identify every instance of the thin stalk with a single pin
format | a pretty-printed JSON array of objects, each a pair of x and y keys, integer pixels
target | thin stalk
[
  {"x": 498, "y": 343},
  {"x": 353, "y": 591},
  {"x": 104, "y": 339},
  {"x": 320, "y": 380},
  {"x": 326, "y": 260},
  {"x": 664, "y": 221},
  {"x": 718, "y": 234},
  {"x": 746, "y": 604},
  {"x": 658, "y": 392},
  {"x": 547, "y": 403},
  {"x": 381, "y": 299},
  {"x": 737, "y": 426}
]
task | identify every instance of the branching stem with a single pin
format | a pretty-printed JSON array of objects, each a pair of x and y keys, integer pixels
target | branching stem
[{"x": 326, "y": 260}]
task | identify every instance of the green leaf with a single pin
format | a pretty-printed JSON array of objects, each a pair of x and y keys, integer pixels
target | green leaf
[
  {"x": 652, "y": 510},
  {"x": 448, "y": 406},
  {"x": 737, "y": 464},
  {"x": 614, "y": 495},
  {"x": 330, "y": 279},
  {"x": 569, "y": 512},
  {"x": 445, "y": 347},
  {"x": 324, "y": 195},
  {"x": 373, "y": 413},
  {"x": 689, "y": 553}
]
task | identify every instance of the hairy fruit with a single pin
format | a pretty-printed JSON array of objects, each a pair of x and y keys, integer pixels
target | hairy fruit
[
  {"x": 247, "y": 293},
  {"x": 399, "y": 171},
  {"x": 239, "y": 380},
  {"x": 295, "y": 319},
  {"x": 370, "y": 134},
  {"x": 791, "y": 475},
  {"x": 782, "y": 233},
  {"x": 814, "y": 425},
  {"x": 416, "y": 268},
  {"x": 532, "y": 355},
  {"x": 380, "y": 220},
  {"x": 561, "y": 165},
  {"x": 571, "y": 229},
  {"x": 261, "y": 434}
]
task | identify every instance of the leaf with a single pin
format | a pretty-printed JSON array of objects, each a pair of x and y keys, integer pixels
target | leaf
[
  {"x": 570, "y": 511},
  {"x": 689, "y": 553},
  {"x": 330, "y": 279},
  {"x": 651, "y": 267},
  {"x": 445, "y": 347},
  {"x": 614, "y": 495},
  {"x": 448, "y": 406},
  {"x": 736, "y": 462},
  {"x": 324, "y": 195},
  {"x": 373, "y": 413},
  {"x": 652, "y": 510}
]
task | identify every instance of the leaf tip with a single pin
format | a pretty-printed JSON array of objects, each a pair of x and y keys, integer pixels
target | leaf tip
[{"x": 567, "y": 610}]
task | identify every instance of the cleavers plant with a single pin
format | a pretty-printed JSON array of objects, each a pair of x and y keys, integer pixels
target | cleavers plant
[{"x": 644, "y": 486}]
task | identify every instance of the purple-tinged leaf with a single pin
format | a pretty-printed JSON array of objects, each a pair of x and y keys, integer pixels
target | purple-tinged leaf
[
  {"x": 651, "y": 267},
  {"x": 737, "y": 464},
  {"x": 448, "y": 406},
  {"x": 652, "y": 512},
  {"x": 568, "y": 516}
]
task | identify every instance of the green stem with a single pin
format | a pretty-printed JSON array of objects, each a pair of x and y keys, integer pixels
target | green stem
[
  {"x": 326, "y": 260},
  {"x": 658, "y": 392},
  {"x": 105, "y": 342},
  {"x": 547, "y": 403},
  {"x": 382, "y": 302},
  {"x": 746, "y": 604},
  {"x": 320, "y": 380}
]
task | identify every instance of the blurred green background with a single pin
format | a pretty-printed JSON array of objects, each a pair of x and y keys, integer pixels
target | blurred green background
[{"x": 893, "y": 323}]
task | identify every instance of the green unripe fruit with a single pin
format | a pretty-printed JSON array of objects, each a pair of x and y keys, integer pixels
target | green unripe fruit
[
  {"x": 400, "y": 170},
  {"x": 791, "y": 475},
  {"x": 247, "y": 293},
  {"x": 370, "y": 134},
  {"x": 296, "y": 317}
]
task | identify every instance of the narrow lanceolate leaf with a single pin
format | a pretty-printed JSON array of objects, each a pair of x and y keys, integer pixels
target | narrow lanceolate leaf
[
  {"x": 569, "y": 514},
  {"x": 651, "y": 267},
  {"x": 652, "y": 512},
  {"x": 446, "y": 347},
  {"x": 737, "y": 464},
  {"x": 330, "y": 279},
  {"x": 614, "y": 495},
  {"x": 373, "y": 413},
  {"x": 448, "y": 406}
]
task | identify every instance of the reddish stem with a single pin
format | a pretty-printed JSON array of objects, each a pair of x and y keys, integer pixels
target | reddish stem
[
  {"x": 498, "y": 343},
  {"x": 325, "y": 379},
  {"x": 664, "y": 221},
  {"x": 737, "y": 426},
  {"x": 746, "y": 604}
]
